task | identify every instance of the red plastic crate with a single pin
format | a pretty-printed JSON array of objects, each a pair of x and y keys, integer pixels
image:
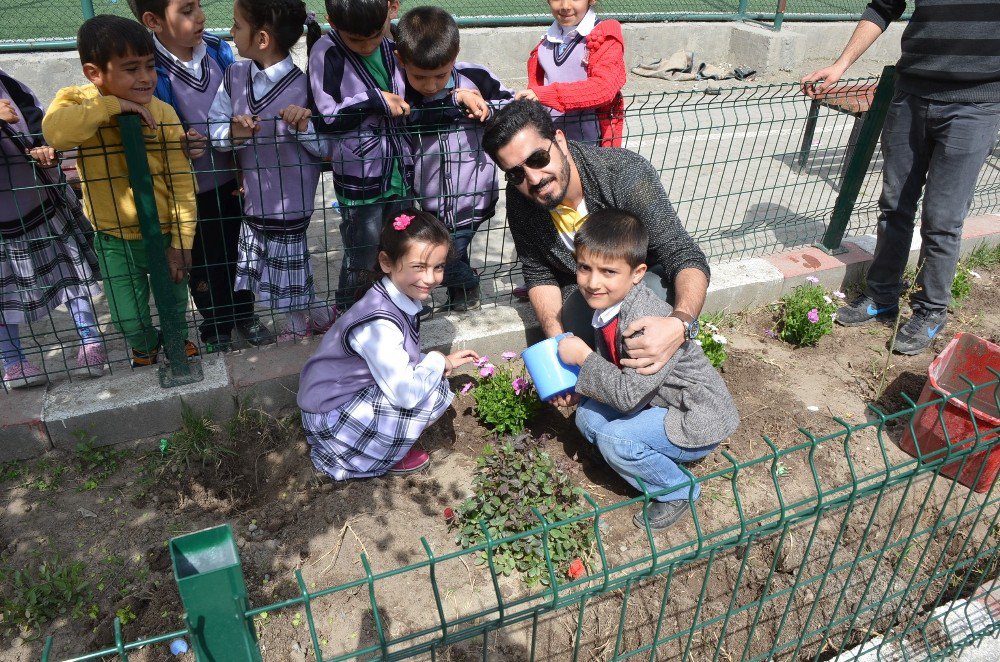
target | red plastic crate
[{"x": 971, "y": 356}]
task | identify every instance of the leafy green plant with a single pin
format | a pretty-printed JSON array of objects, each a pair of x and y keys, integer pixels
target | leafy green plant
[
  {"x": 126, "y": 615},
  {"x": 961, "y": 286},
  {"x": 97, "y": 463},
  {"x": 11, "y": 471},
  {"x": 807, "y": 314},
  {"x": 51, "y": 587},
  {"x": 713, "y": 343},
  {"x": 512, "y": 479},
  {"x": 196, "y": 441},
  {"x": 505, "y": 398},
  {"x": 48, "y": 475}
]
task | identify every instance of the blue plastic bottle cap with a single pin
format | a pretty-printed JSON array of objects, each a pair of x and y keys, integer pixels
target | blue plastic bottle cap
[{"x": 178, "y": 646}]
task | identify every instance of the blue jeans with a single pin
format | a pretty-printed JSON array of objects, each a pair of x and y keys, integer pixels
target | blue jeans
[
  {"x": 937, "y": 147},
  {"x": 459, "y": 272},
  {"x": 636, "y": 446}
]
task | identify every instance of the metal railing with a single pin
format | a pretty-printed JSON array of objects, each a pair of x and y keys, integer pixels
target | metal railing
[{"x": 874, "y": 547}]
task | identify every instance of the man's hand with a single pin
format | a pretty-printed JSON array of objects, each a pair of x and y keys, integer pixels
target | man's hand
[
  {"x": 651, "y": 341},
  {"x": 178, "y": 263},
  {"x": 45, "y": 155},
  {"x": 526, "y": 94},
  {"x": 573, "y": 351},
  {"x": 473, "y": 103},
  {"x": 820, "y": 81},
  {"x": 7, "y": 112},
  {"x": 194, "y": 143},
  {"x": 296, "y": 117},
  {"x": 143, "y": 112},
  {"x": 243, "y": 127},
  {"x": 397, "y": 106}
]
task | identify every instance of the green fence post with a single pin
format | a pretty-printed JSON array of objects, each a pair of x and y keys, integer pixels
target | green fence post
[
  {"x": 210, "y": 582},
  {"x": 857, "y": 168},
  {"x": 178, "y": 370},
  {"x": 779, "y": 15},
  {"x": 88, "y": 8},
  {"x": 741, "y": 11}
]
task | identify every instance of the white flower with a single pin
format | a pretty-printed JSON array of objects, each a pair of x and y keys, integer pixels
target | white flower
[
  {"x": 812, "y": 279},
  {"x": 719, "y": 338},
  {"x": 974, "y": 274},
  {"x": 833, "y": 316},
  {"x": 711, "y": 327},
  {"x": 697, "y": 342},
  {"x": 839, "y": 294},
  {"x": 827, "y": 299}
]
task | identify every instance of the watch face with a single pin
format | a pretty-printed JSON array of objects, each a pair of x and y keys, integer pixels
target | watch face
[{"x": 693, "y": 329}]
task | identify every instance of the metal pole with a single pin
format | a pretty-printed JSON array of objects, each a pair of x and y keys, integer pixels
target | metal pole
[
  {"x": 857, "y": 167},
  {"x": 741, "y": 11},
  {"x": 88, "y": 8},
  {"x": 779, "y": 15}
]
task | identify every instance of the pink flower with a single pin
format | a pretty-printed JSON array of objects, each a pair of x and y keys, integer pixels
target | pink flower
[
  {"x": 813, "y": 316},
  {"x": 509, "y": 356},
  {"x": 576, "y": 569},
  {"x": 449, "y": 514},
  {"x": 483, "y": 360},
  {"x": 402, "y": 221},
  {"x": 465, "y": 389},
  {"x": 487, "y": 370},
  {"x": 812, "y": 279},
  {"x": 520, "y": 384}
]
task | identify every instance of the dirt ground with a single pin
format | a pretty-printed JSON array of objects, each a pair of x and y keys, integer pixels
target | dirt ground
[{"x": 288, "y": 518}]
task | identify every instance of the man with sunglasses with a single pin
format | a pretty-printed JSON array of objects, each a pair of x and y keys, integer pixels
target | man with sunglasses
[{"x": 552, "y": 184}]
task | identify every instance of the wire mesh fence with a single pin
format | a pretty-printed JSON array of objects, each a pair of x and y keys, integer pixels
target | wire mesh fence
[
  {"x": 745, "y": 171},
  {"x": 54, "y": 23},
  {"x": 867, "y": 547}
]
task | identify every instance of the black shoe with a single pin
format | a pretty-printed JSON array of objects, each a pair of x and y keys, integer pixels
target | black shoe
[
  {"x": 863, "y": 310},
  {"x": 255, "y": 332},
  {"x": 220, "y": 342},
  {"x": 462, "y": 299},
  {"x": 426, "y": 312},
  {"x": 662, "y": 514},
  {"x": 919, "y": 332}
]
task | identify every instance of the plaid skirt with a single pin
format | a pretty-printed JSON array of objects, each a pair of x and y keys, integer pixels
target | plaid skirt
[
  {"x": 49, "y": 265},
  {"x": 275, "y": 267},
  {"x": 367, "y": 435}
]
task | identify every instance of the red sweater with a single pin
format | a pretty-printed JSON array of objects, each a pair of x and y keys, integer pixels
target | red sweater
[{"x": 602, "y": 89}]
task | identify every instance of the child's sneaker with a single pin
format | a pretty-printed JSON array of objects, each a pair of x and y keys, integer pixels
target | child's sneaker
[
  {"x": 413, "y": 461},
  {"x": 143, "y": 359},
  {"x": 23, "y": 374},
  {"x": 92, "y": 357},
  {"x": 220, "y": 342},
  {"x": 321, "y": 329}
]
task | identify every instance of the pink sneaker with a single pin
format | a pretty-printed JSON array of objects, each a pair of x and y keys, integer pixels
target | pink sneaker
[
  {"x": 413, "y": 461},
  {"x": 521, "y": 292},
  {"x": 92, "y": 357},
  {"x": 291, "y": 336},
  {"x": 23, "y": 374},
  {"x": 320, "y": 330}
]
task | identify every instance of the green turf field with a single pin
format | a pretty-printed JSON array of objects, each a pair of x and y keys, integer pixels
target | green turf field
[{"x": 59, "y": 19}]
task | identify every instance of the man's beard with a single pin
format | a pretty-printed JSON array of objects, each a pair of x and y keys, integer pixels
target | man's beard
[{"x": 552, "y": 200}]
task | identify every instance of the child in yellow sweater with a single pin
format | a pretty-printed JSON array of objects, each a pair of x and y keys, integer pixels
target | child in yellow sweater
[{"x": 117, "y": 57}]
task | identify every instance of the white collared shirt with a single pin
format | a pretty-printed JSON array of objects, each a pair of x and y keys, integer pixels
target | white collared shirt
[
  {"x": 602, "y": 317},
  {"x": 264, "y": 80},
  {"x": 194, "y": 65},
  {"x": 380, "y": 344},
  {"x": 560, "y": 36}
]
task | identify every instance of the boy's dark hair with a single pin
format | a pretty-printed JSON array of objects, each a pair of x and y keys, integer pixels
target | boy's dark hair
[
  {"x": 513, "y": 117},
  {"x": 104, "y": 37},
  {"x": 155, "y": 7},
  {"x": 614, "y": 234},
  {"x": 427, "y": 38},
  {"x": 358, "y": 17},
  {"x": 282, "y": 19}
]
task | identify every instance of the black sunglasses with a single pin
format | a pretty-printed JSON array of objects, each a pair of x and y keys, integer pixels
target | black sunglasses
[{"x": 537, "y": 159}]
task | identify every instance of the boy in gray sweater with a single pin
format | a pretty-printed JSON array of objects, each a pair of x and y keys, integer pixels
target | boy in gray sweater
[{"x": 642, "y": 424}]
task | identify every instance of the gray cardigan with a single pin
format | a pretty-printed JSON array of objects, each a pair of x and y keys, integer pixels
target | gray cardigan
[{"x": 700, "y": 411}]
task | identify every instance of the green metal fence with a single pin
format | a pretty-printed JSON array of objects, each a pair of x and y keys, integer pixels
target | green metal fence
[
  {"x": 874, "y": 548},
  {"x": 53, "y": 24}
]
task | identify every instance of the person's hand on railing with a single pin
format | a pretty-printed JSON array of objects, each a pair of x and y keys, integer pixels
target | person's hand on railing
[
  {"x": 472, "y": 104},
  {"x": 8, "y": 113},
  {"x": 397, "y": 106},
  {"x": 526, "y": 94},
  {"x": 45, "y": 155},
  {"x": 296, "y": 117},
  {"x": 243, "y": 128},
  {"x": 194, "y": 143},
  {"x": 821, "y": 80},
  {"x": 178, "y": 263},
  {"x": 139, "y": 109}
]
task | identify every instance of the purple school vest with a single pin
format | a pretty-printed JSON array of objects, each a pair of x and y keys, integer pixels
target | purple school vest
[
  {"x": 279, "y": 175},
  {"x": 192, "y": 100},
  {"x": 20, "y": 198},
  {"x": 569, "y": 67},
  {"x": 335, "y": 373}
]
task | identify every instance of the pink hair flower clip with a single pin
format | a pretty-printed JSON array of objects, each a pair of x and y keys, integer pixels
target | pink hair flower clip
[{"x": 402, "y": 221}]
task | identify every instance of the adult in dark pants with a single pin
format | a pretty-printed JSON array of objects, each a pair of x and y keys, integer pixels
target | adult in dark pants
[
  {"x": 941, "y": 126},
  {"x": 552, "y": 184}
]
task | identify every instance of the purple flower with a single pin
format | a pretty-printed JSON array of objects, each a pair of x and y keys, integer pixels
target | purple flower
[
  {"x": 812, "y": 279},
  {"x": 770, "y": 333},
  {"x": 468, "y": 387},
  {"x": 509, "y": 356},
  {"x": 813, "y": 316},
  {"x": 520, "y": 384},
  {"x": 487, "y": 370},
  {"x": 483, "y": 360}
]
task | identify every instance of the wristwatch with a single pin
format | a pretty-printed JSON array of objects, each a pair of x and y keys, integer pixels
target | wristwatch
[{"x": 691, "y": 326}]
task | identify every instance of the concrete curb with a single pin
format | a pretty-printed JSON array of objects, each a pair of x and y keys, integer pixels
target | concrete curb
[{"x": 129, "y": 405}]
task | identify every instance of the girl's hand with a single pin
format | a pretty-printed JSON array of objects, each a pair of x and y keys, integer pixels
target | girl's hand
[
  {"x": 7, "y": 112},
  {"x": 143, "y": 112},
  {"x": 45, "y": 155},
  {"x": 473, "y": 103},
  {"x": 526, "y": 94},
  {"x": 458, "y": 359},
  {"x": 194, "y": 144},
  {"x": 243, "y": 127},
  {"x": 397, "y": 106},
  {"x": 296, "y": 117},
  {"x": 573, "y": 351},
  {"x": 178, "y": 263}
]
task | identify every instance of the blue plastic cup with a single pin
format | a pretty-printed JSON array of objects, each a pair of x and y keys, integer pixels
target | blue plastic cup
[{"x": 551, "y": 376}]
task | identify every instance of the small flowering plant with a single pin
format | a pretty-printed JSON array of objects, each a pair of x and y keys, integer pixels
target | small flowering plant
[
  {"x": 713, "y": 343},
  {"x": 505, "y": 398},
  {"x": 807, "y": 314}
]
